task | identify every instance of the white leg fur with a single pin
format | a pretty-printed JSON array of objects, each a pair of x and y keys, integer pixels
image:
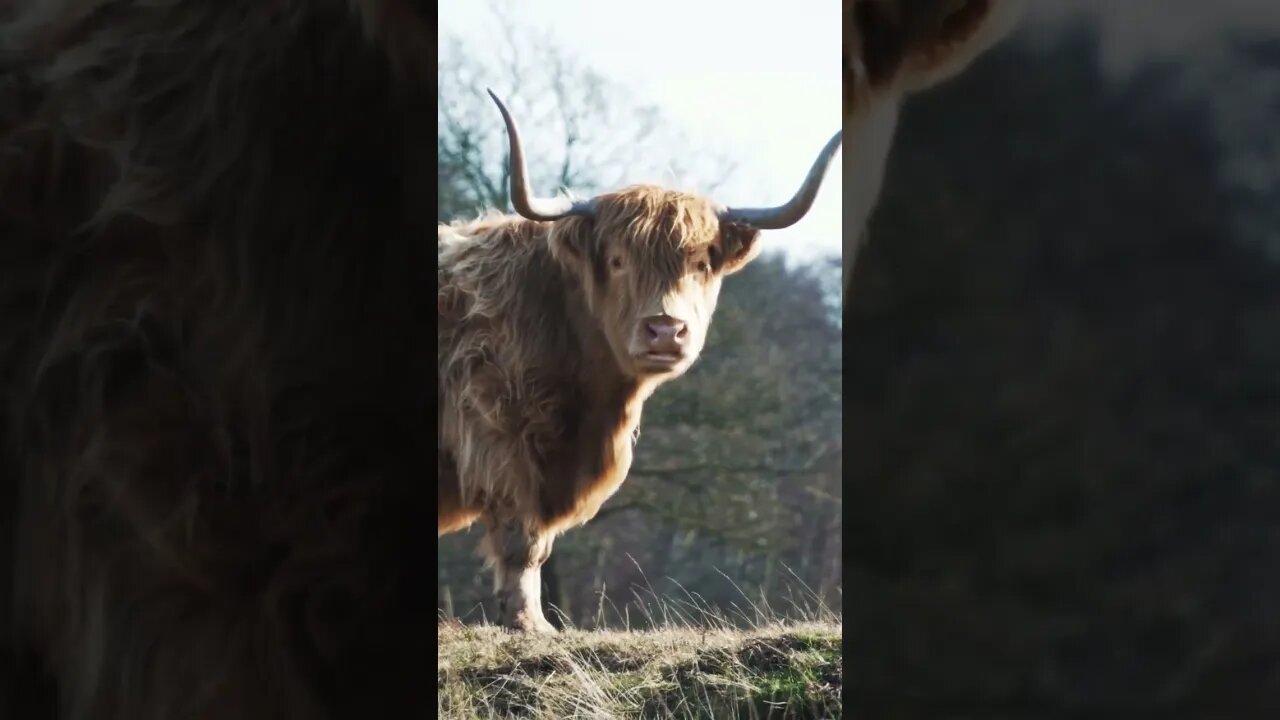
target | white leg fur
[
  {"x": 870, "y": 135},
  {"x": 516, "y": 556},
  {"x": 518, "y": 591}
]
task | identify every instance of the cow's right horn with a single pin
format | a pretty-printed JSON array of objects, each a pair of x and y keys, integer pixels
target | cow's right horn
[
  {"x": 776, "y": 218},
  {"x": 534, "y": 208}
]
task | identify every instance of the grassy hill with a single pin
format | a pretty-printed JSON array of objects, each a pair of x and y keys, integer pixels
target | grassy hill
[{"x": 774, "y": 670}]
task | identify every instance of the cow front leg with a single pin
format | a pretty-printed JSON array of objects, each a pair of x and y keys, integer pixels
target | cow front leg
[{"x": 517, "y": 555}]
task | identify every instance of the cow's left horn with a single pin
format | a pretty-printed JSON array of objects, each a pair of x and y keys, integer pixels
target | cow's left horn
[
  {"x": 533, "y": 208},
  {"x": 776, "y": 218}
]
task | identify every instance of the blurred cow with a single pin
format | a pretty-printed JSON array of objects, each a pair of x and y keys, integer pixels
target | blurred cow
[
  {"x": 893, "y": 48},
  {"x": 214, "y": 323}
]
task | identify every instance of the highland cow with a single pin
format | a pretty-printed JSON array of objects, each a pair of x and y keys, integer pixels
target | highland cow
[
  {"x": 213, "y": 358},
  {"x": 555, "y": 326}
]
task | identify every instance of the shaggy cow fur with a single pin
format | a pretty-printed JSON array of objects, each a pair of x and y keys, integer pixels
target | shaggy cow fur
[
  {"x": 539, "y": 396},
  {"x": 213, "y": 319},
  {"x": 893, "y": 48}
]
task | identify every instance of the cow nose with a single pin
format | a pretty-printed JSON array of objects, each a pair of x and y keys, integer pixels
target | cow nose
[{"x": 665, "y": 333}]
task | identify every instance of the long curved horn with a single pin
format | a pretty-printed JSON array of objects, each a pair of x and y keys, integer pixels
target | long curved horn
[
  {"x": 533, "y": 208},
  {"x": 776, "y": 218}
]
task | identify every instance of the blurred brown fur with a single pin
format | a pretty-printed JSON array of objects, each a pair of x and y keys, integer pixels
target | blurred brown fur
[{"x": 213, "y": 309}]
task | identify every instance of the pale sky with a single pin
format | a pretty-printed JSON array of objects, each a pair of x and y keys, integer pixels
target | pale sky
[{"x": 758, "y": 82}]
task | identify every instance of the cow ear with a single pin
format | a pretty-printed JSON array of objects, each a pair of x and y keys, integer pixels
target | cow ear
[
  {"x": 741, "y": 246},
  {"x": 571, "y": 241},
  {"x": 963, "y": 30},
  {"x": 917, "y": 45}
]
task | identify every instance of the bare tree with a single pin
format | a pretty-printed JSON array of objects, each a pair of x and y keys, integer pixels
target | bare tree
[{"x": 585, "y": 132}]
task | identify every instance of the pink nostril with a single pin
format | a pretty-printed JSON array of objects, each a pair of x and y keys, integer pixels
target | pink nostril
[{"x": 663, "y": 330}]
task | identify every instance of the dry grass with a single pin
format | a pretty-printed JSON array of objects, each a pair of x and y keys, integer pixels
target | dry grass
[
  {"x": 776, "y": 671},
  {"x": 695, "y": 663}
]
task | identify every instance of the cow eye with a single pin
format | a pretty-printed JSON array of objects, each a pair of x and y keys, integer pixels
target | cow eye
[{"x": 615, "y": 262}]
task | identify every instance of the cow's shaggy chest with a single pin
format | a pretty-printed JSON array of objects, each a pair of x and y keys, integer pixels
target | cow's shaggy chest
[{"x": 587, "y": 461}]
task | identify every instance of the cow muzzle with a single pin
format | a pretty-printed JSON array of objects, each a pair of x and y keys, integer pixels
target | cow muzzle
[{"x": 661, "y": 343}]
